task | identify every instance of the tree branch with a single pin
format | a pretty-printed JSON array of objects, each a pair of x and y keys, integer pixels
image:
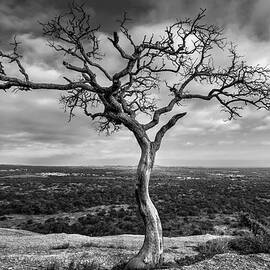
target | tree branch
[
  {"x": 159, "y": 112},
  {"x": 15, "y": 82},
  {"x": 162, "y": 131}
]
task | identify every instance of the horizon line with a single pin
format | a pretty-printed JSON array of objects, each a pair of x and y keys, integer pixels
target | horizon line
[{"x": 119, "y": 165}]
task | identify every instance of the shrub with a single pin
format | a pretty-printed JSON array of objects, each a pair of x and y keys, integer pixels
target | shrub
[
  {"x": 206, "y": 251},
  {"x": 213, "y": 247},
  {"x": 250, "y": 244},
  {"x": 3, "y": 218}
]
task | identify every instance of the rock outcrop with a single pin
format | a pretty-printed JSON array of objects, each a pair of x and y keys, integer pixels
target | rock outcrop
[{"x": 23, "y": 250}]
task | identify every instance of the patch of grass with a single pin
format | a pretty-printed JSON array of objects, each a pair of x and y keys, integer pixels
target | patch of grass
[
  {"x": 213, "y": 247},
  {"x": 86, "y": 266},
  {"x": 120, "y": 266},
  {"x": 75, "y": 266},
  {"x": 62, "y": 246},
  {"x": 2, "y": 246},
  {"x": 251, "y": 244},
  {"x": 206, "y": 251},
  {"x": 89, "y": 244},
  {"x": 52, "y": 266},
  {"x": 167, "y": 265},
  {"x": 187, "y": 260}
]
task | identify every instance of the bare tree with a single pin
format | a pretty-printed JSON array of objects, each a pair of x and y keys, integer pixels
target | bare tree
[{"x": 186, "y": 49}]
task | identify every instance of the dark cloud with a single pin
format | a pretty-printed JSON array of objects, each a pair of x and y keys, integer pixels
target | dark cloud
[
  {"x": 251, "y": 16},
  {"x": 18, "y": 16},
  {"x": 23, "y": 16}
]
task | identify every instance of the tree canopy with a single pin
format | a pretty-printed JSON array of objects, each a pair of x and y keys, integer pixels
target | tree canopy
[{"x": 188, "y": 49}]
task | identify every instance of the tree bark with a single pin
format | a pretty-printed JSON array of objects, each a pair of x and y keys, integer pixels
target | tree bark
[{"x": 151, "y": 253}]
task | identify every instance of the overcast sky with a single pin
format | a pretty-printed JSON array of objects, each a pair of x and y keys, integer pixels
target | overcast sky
[{"x": 35, "y": 130}]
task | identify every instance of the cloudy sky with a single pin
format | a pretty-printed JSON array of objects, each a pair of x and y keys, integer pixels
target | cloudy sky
[{"x": 35, "y": 130}]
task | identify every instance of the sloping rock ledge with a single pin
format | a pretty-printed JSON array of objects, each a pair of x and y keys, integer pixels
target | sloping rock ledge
[{"x": 21, "y": 250}]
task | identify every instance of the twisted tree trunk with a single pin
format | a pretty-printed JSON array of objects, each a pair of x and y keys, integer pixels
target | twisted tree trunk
[{"x": 151, "y": 253}]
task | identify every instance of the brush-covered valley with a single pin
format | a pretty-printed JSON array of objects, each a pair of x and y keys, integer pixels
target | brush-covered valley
[{"x": 100, "y": 201}]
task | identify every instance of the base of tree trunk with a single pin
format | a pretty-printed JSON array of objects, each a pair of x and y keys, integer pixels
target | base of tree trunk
[{"x": 141, "y": 261}]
